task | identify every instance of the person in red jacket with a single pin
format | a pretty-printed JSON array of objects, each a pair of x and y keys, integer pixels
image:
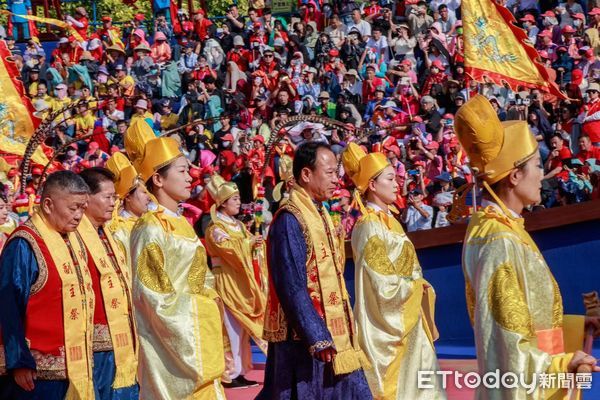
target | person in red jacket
[
  {"x": 591, "y": 121},
  {"x": 239, "y": 54},
  {"x": 80, "y": 22},
  {"x": 586, "y": 150},
  {"x": 202, "y": 25}
]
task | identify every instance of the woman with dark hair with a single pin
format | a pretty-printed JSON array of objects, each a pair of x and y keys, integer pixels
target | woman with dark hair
[
  {"x": 133, "y": 201},
  {"x": 513, "y": 300},
  {"x": 178, "y": 315},
  {"x": 394, "y": 303},
  {"x": 324, "y": 44},
  {"x": 541, "y": 129}
]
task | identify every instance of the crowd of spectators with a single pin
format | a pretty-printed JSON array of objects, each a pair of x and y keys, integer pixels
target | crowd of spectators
[{"x": 394, "y": 69}]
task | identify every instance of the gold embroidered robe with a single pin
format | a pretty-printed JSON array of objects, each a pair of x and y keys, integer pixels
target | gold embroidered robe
[
  {"x": 514, "y": 304},
  {"x": 393, "y": 310},
  {"x": 179, "y": 323},
  {"x": 230, "y": 245}
]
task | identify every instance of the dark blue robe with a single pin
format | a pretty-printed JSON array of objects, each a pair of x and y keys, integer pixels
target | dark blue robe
[
  {"x": 18, "y": 272},
  {"x": 291, "y": 372}
]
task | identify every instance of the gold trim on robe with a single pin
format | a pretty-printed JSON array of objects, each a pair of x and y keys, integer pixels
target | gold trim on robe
[
  {"x": 179, "y": 323},
  {"x": 514, "y": 303},
  {"x": 393, "y": 310}
]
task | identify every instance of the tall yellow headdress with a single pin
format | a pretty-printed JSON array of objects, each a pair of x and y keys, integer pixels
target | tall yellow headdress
[
  {"x": 286, "y": 173},
  {"x": 148, "y": 152},
  {"x": 494, "y": 148},
  {"x": 362, "y": 167},
  {"x": 220, "y": 190},
  {"x": 126, "y": 176}
]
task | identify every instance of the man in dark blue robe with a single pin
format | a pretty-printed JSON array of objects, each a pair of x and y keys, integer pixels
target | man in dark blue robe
[{"x": 301, "y": 347}]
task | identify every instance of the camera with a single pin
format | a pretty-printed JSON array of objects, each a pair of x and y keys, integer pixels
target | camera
[{"x": 413, "y": 172}]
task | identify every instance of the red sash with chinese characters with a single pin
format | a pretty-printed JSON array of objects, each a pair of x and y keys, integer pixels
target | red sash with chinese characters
[{"x": 116, "y": 298}]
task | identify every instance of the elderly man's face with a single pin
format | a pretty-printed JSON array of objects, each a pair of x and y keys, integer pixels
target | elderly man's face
[
  {"x": 321, "y": 182},
  {"x": 102, "y": 204},
  {"x": 427, "y": 106},
  {"x": 63, "y": 211}
]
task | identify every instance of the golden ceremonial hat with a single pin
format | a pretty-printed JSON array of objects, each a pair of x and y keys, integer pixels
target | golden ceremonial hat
[
  {"x": 362, "y": 167},
  {"x": 126, "y": 176},
  {"x": 286, "y": 172},
  {"x": 220, "y": 190},
  {"x": 148, "y": 152},
  {"x": 494, "y": 148}
]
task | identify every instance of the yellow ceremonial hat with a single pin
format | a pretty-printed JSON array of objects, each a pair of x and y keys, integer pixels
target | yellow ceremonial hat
[
  {"x": 148, "y": 152},
  {"x": 286, "y": 167},
  {"x": 220, "y": 190},
  {"x": 126, "y": 176},
  {"x": 362, "y": 167},
  {"x": 286, "y": 172},
  {"x": 494, "y": 148},
  {"x": 138, "y": 134}
]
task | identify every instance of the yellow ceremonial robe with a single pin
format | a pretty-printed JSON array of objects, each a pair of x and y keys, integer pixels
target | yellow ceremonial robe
[
  {"x": 393, "y": 310},
  {"x": 120, "y": 227},
  {"x": 514, "y": 303},
  {"x": 230, "y": 245},
  {"x": 179, "y": 323}
]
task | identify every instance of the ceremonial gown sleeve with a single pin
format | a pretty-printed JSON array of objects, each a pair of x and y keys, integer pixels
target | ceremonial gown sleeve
[
  {"x": 18, "y": 272},
  {"x": 511, "y": 296},
  {"x": 287, "y": 267}
]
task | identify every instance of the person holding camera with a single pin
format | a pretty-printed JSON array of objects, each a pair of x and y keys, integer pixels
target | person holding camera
[
  {"x": 418, "y": 20},
  {"x": 402, "y": 43},
  {"x": 559, "y": 154},
  {"x": 418, "y": 215}
]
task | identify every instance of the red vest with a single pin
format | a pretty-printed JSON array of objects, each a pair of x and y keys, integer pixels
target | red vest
[{"x": 44, "y": 326}]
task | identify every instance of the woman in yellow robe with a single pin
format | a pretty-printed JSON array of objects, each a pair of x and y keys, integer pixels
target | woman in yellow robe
[
  {"x": 394, "y": 304},
  {"x": 179, "y": 322},
  {"x": 133, "y": 201},
  {"x": 238, "y": 277},
  {"x": 514, "y": 302}
]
